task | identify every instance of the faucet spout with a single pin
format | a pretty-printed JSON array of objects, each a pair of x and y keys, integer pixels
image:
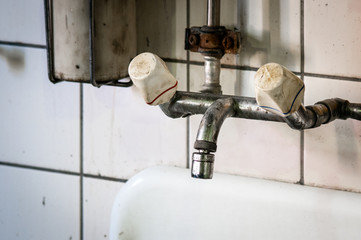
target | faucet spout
[{"x": 206, "y": 141}]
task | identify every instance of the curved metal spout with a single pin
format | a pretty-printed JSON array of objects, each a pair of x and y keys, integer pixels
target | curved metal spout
[
  {"x": 211, "y": 123},
  {"x": 213, "y": 118}
]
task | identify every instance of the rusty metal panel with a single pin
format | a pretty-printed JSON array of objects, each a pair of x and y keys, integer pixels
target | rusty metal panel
[{"x": 113, "y": 33}]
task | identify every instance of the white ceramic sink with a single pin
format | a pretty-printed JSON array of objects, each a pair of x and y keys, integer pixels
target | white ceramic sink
[{"x": 166, "y": 203}]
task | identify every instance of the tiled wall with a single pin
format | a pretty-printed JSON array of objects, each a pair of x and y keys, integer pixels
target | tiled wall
[{"x": 67, "y": 149}]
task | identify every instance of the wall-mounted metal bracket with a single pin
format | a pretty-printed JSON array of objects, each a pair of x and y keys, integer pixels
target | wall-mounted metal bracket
[{"x": 55, "y": 75}]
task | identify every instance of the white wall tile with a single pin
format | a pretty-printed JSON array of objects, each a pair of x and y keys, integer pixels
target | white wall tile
[
  {"x": 271, "y": 33},
  {"x": 270, "y": 30},
  {"x": 333, "y": 151},
  {"x": 22, "y": 21},
  {"x": 332, "y": 37},
  {"x": 123, "y": 135},
  {"x": 99, "y": 196},
  {"x": 197, "y": 18},
  {"x": 39, "y": 120},
  {"x": 161, "y": 27},
  {"x": 38, "y": 205},
  {"x": 250, "y": 147},
  {"x": 233, "y": 82}
]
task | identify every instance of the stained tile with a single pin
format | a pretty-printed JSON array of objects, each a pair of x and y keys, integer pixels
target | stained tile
[
  {"x": 40, "y": 121},
  {"x": 270, "y": 31},
  {"x": 161, "y": 27},
  {"x": 99, "y": 196},
  {"x": 22, "y": 21},
  {"x": 333, "y": 151},
  {"x": 250, "y": 147},
  {"x": 123, "y": 135},
  {"x": 332, "y": 37},
  {"x": 38, "y": 205}
]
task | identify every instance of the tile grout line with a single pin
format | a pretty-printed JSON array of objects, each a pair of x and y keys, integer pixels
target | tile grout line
[
  {"x": 332, "y": 77},
  {"x": 81, "y": 163},
  {"x": 64, "y": 172},
  {"x": 43, "y": 169},
  {"x": 227, "y": 66},
  {"x": 249, "y": 68},
  {"x": 188, "y": 89},
  {"x": 302, "y": 69},
  {"x": 112, "y": 179},
  {"x": 21, "y": 44}
]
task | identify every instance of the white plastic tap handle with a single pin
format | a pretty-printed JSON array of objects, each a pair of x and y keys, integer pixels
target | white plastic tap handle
[
  {"x": 278, "y": 90},
  {"x": 150, "y": 74}
]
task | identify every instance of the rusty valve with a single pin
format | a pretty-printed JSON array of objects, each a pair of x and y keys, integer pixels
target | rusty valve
[
  {"x": 227, "y": 43},
  {"x": 212, "y": 41},
  {"x": 193, "y": 40}
]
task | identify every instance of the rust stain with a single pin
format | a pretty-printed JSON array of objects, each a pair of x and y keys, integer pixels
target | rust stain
[
  {"x": 14, "y": 57},
  {"x": 61, "y": 76},
  {"x": 117, "y": 47},
  {"x": 338, "y": 188},
  {"x": 66, "y": 22},
  {"x": 208, "y": 40}
]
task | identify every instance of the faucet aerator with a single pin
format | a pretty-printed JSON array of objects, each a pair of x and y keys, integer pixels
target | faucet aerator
[{"x": 202, "y": 165}]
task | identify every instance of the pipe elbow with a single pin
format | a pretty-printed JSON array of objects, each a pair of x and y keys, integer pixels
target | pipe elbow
[
  {"x": 169, "y": 110},
  {"x": 322, "y": 112},
  {"x": 211, "y": 123}
]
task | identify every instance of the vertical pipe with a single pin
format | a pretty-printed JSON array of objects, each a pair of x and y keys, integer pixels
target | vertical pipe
[
  {"x": 213, "y": 12},
  {"x": 212, "y": 70},
  {"x": 212, "y": 65},
  {"x": 302, "y": 68}
]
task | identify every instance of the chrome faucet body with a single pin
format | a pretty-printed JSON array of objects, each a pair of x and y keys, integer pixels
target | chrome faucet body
[
  {"x": 277, "y": 89},
  {"x": 216, "y": 108}
]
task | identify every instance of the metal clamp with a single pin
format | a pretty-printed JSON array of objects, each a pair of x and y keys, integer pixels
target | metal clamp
[{"x": 212, "y": 41}]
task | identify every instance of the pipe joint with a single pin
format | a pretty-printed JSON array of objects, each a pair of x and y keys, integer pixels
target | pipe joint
[{"x": 337, "y": 107}]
